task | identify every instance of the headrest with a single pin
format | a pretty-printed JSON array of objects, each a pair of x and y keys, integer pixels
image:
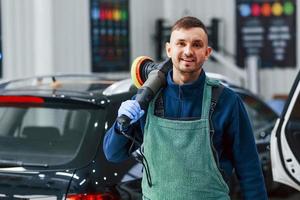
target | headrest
[{"x": 41, "y": 132}]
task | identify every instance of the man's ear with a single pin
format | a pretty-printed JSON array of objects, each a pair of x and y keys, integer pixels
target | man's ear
[
  {"x": 208, "y": 52},
  {"x": 168, "y": 49}
]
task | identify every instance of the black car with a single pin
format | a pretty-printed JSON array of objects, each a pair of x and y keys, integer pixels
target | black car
[
  {"x": 51, "y": 139},
  {"x": 52, "y": 129}
]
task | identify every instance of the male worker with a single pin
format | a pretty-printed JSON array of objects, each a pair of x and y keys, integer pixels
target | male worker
[{"x": 184, "y": 159}]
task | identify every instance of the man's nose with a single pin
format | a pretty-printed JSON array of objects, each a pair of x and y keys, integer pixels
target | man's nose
[{"x": 187, "y": 50}]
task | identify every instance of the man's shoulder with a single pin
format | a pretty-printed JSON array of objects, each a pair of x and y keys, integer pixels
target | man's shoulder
[
  {"x": 228, "y": 97},
  {"x": 228, "y": 92}
]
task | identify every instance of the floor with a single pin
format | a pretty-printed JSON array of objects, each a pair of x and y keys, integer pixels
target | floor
[{"x": 286, "y": 194}]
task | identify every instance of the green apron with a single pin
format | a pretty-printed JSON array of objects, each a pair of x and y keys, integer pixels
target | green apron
[{"x": 180, "y": 157}]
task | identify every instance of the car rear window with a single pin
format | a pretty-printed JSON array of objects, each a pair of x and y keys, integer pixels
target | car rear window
[{"x": 49, "y": 135}]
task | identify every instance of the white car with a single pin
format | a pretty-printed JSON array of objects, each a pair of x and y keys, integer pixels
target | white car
[{"x": 285, "y": 141}]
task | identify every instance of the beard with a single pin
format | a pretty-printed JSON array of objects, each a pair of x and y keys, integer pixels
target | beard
[
  {"x": 186, "y": 74},
  {"x": 188, "y": 69}
]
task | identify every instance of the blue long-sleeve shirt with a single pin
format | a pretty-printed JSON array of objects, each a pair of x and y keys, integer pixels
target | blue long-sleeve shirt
[{"x": 233, "y": 138}]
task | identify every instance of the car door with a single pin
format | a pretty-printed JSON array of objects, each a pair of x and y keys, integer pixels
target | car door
[{"x": 285, "y": 141}]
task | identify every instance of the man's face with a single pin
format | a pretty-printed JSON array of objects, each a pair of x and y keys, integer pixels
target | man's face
[{"x": 188, "y": 49}]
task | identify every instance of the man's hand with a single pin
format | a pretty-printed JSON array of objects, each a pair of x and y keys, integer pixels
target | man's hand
[{"x": 131, "y": 109}]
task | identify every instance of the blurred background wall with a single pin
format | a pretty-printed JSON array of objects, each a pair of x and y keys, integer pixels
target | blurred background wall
[{"x": 53, "y": 36}]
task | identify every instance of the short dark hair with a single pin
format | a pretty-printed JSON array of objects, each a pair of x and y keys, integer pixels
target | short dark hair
[{"x": 189, "y": 22}]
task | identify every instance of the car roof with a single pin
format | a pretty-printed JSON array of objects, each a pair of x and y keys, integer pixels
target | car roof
[{"x": 88, "y": 86}]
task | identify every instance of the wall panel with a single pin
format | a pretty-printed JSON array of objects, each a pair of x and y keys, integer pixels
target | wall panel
[
  {"x": 17, "y": 38},
  {"x": 143, "y": 16},
  {"x": 71, "y": 36}
]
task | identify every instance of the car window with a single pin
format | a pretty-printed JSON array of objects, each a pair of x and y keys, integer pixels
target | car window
[
  {"x": 295, "y": 114},
  {"x": 261, "y": 116},
  {"x": 292, "y": 130},
  {"x": 43, "y": 135}
]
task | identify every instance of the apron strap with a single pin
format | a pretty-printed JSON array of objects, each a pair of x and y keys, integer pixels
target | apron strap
[
  {"x": 206, "y": 99},
  {"x": 159, "y": 106},
  {"x": 216, "y": 92}
]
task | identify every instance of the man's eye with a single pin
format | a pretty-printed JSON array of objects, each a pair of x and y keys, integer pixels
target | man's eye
[
  {"x": 180, "y": 44},
  {"x": 197, "y": 45}
]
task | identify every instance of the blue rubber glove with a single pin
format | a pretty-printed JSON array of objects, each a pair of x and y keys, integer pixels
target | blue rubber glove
[{"x": 132, "y": 109}]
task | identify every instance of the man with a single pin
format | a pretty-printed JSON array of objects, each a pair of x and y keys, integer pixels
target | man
[{"x": 184, "y": 160}]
